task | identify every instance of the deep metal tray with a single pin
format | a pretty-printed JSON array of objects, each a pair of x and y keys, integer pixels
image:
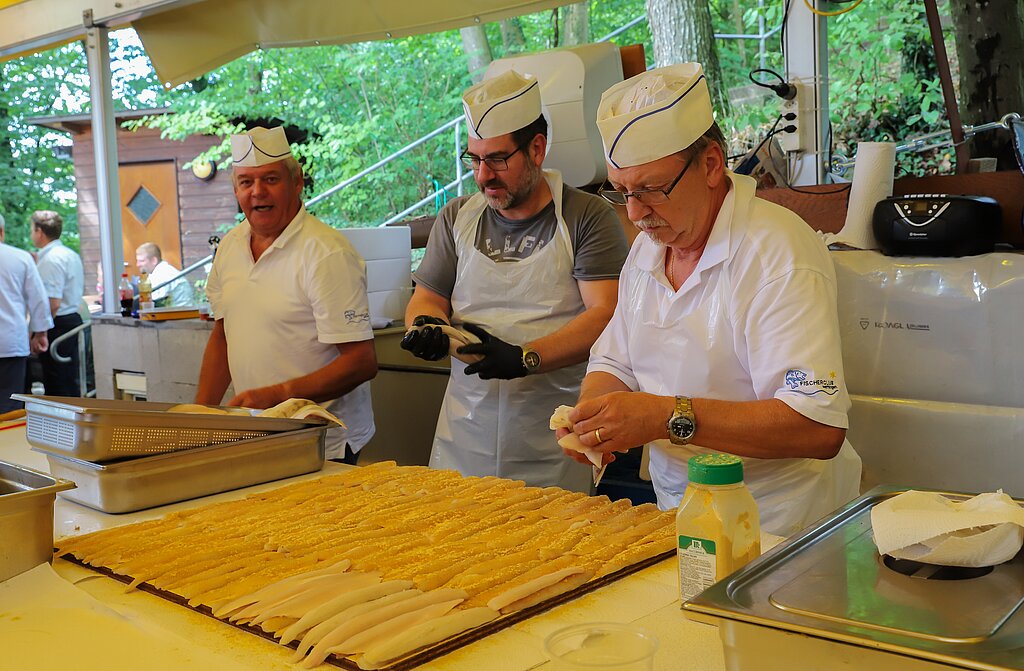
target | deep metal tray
[
  {"x": 26, "y": 517},
  {"x": 100, "y": 430},
  {"x": 144, "y": 482}
]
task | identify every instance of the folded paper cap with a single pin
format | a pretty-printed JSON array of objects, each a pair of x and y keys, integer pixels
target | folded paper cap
[
  {"x": 259, "y": 146},
  {"x": 985, "y": 530},
  {"x": 654, "y": 114},
  {"x": 501, "y": 105}
]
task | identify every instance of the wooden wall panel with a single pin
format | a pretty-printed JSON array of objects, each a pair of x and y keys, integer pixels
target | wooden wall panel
[{"x": 203, "y": 207}]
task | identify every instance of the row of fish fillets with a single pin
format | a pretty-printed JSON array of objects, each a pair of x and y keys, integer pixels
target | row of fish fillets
[{"x": 380, "y": 561}]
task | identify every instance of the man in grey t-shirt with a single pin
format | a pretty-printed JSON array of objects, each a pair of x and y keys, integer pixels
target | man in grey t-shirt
[{"x": 530, "y": 267}]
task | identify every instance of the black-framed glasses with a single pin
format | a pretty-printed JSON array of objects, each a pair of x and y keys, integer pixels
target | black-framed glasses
[
  {"x": 495, "y": 163},
  {"x": 645, "y": 196}
]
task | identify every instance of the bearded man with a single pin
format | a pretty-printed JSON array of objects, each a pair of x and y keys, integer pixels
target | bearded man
[{"x": 529, "y": 266}]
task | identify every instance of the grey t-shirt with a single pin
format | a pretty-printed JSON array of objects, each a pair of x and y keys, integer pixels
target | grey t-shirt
[{"x": 598, "y": 241}]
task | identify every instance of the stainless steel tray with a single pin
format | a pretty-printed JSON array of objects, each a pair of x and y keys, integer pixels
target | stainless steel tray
[
  {"x": 26, "y": 517},
  {"x": 829, "y": 583},
  {"x": 100, "y": 430},
  {"x": 145, "y": 482}
]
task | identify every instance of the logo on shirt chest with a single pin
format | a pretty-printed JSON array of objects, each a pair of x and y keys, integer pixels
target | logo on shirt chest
[{"x": 797, "y": 380}]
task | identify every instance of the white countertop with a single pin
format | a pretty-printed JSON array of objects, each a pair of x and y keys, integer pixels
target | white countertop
[{"x": 648, "y": 598}]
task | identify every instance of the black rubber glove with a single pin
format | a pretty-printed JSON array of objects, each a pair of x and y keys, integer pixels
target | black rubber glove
[
  {"x": 429, "y": 343},
  {"x": 501, "y": 360}
]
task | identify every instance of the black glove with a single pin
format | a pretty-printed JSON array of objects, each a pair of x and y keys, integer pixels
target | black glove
[
  {"x": 429, "y": 343},
  {"x": 501, "y": 360}
]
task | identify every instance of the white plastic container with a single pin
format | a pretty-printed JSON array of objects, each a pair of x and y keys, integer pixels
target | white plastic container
[{"x": 717, "y": 523}]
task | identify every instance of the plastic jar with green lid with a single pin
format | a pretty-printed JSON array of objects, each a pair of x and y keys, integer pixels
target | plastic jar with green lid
[{"x": 717, "y": 523}]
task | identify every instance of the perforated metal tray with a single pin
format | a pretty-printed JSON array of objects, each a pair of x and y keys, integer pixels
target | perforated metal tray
[{"x": 99, "y": 430}]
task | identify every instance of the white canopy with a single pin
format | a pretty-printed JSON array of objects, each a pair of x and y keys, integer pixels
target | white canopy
[{"x": 187, "y": 38}]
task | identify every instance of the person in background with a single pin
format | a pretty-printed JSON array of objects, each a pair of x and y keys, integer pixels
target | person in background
[
  {"x": 528, "y": 265},
  {"x": 24, "y": 310},
  {"x": 149, "y": 260},
  {"x": 726, "y": 334},
  {"x": 64, "y": 280},
  {"x": 289, "y": 296}
]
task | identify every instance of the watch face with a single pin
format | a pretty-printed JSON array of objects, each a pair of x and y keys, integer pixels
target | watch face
[
  {"x": 531, "y": 359},
  {"x": 682, "y": 428}
]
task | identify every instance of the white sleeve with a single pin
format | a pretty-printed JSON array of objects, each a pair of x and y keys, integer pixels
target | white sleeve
[
  {"x": 792, "y": 333},
  {"x": 610, "y": 353},
  {"x": 37, "y": 301},
  {"x": 337, "y": 292},
  {"x": 53, "y": 278}
]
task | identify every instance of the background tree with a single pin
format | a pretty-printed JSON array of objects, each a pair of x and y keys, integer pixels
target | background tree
[
  {"x": 683, "y": 31},
  {"x": 989, "y": 44},
  {"x": 477, "y": 50}
]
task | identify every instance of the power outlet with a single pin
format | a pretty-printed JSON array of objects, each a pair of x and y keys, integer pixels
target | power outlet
[{"x": 792, "y": 128}]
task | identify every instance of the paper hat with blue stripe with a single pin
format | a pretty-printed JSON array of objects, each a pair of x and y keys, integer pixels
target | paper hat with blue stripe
[
  {"x": 259, "y": 146},
  {"x": 502, "y": 104},
  {"x": 654, "y": 114}
]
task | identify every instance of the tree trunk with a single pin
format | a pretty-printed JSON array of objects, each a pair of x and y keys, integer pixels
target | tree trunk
[
  {"x": 577, "y": 24},
  {"x": 682, "y": 32},
  {"x": 989, "y": 42},
  {"x": 477, "y": 50},
  {"x": 512, "y": 37}
]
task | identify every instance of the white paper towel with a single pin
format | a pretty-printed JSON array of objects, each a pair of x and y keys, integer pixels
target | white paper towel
[
  {"x": 985, "y": 530},
  {"x": 872, "y": 181}
]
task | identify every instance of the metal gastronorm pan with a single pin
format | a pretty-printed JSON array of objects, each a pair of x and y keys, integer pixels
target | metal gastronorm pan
[
  {"x": 101, "y": 430},
  {"x": 144, "y": 482},
  {"x": 26, "y": 517}
]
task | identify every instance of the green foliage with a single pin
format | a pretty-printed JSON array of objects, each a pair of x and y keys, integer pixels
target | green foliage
[
  {"x": 358, "y": 103},
  {"x": 32, "y": 177}
]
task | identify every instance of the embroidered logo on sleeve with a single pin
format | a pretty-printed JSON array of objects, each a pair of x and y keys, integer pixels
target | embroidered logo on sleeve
[
  {"x": 354, "y": 317},
  {"x": 797, "y": 380}
]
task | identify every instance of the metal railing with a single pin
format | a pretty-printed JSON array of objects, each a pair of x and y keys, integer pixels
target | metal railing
[{"x": 82, "y": 361}]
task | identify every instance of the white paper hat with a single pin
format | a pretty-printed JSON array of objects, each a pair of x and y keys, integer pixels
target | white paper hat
[
  {"x": 501, "y": 104},
  {"x": 259, "y": 146},
  {"x": 654, "y": 114}
]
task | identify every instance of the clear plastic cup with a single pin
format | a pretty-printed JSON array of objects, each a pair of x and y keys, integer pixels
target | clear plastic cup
[{"x": 602, "y": 646}]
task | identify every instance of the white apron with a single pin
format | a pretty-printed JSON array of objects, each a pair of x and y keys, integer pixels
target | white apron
[{"x": 500, "y": 427}]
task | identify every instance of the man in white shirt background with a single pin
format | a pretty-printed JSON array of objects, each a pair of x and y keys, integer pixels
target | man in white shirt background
[
  {"x": 149, "y": 259},
  {"x": 23, "y": 309},
  {"x": 63, "y": 278}
]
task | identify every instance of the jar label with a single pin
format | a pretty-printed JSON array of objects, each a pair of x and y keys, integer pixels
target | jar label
[{"x": 696, "y": 566}]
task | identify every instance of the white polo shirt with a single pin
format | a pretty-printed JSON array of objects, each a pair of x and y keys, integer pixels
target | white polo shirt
[
  {"x": 284, "y": 314},
  {"x": 63, "y": 276},
  {"x": 757, "y": 319}
]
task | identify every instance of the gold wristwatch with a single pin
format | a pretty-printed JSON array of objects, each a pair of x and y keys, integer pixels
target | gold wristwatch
[{"x": 682, "y": 424}]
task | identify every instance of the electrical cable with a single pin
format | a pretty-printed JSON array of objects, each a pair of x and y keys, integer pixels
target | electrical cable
[
  {"x": 843, "y": 187},
  {"x": 783, "y": 89},
  {"x": 835, "y": 13}
]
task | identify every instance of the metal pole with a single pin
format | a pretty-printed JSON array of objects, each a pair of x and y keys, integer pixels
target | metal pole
[
  {"x": 760, "y": 31},
  {"x": 806, "y": 61},
  {"x": 956, "y": 128},
  {"x": 104, "y": 135}
]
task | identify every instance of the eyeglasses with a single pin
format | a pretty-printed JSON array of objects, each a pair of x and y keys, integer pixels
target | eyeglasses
[
  {"x": 645, "y": 196},
  {"x": 495, "y": 163}
]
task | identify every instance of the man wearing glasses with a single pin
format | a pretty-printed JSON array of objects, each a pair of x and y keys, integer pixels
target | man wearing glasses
[
  {"x": 726, "y": 336},
  {"x": 530, "y": 267}
]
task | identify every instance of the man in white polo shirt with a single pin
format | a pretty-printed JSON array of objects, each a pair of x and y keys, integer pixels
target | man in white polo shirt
[
  {"x": 61, "y": 271},
  {"x": 726, "y": 336},
  {"x": 289, "y": 297}
]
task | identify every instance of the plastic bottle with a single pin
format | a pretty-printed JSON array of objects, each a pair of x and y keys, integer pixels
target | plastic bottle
[
  {"x": 145, "y": 292},
  {"x": 126, "y": 295},
  {"x": 717, "y": 523}
]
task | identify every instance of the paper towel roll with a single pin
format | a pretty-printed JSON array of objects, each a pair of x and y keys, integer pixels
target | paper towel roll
[{"x": 872, "y": 181}]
